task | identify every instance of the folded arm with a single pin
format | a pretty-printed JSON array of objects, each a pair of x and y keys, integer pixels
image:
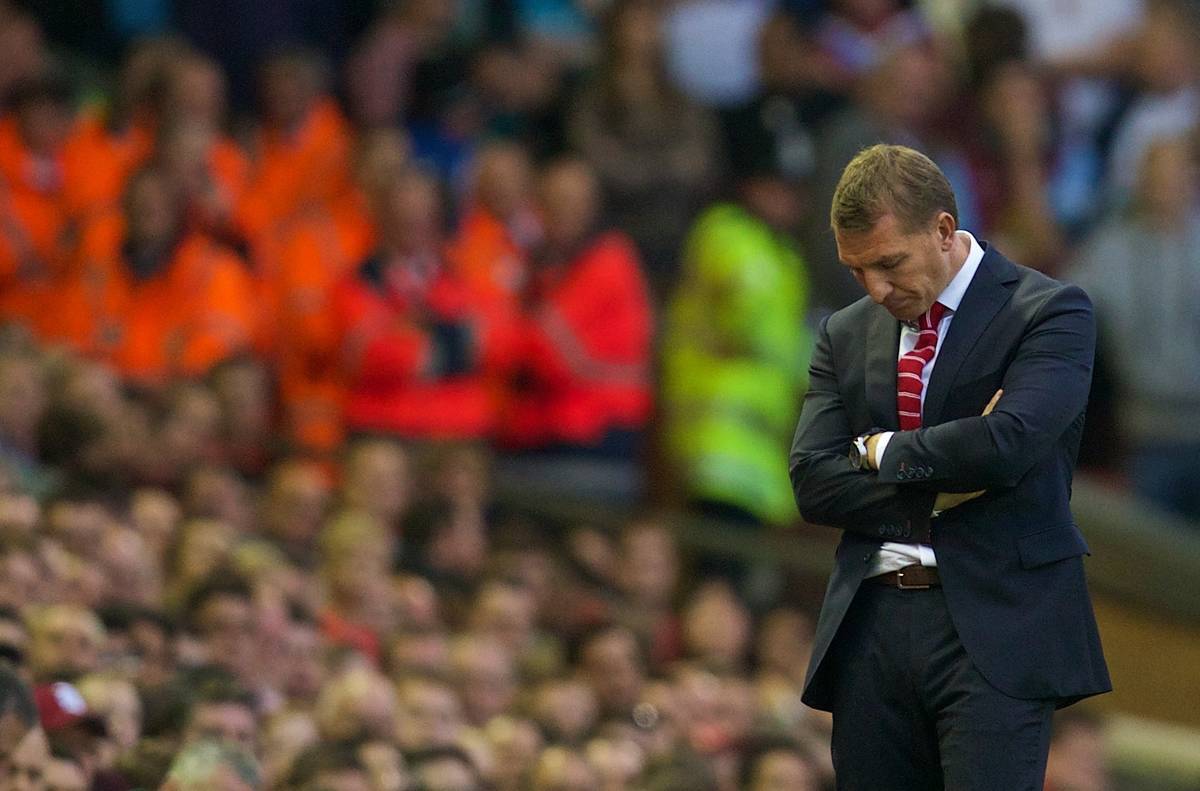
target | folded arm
[
  {"x": 828, "y": 490},
  {"x": 1045, "y": 391}
]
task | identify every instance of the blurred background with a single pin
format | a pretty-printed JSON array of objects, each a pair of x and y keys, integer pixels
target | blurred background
[{"x": 397, "y": 394}]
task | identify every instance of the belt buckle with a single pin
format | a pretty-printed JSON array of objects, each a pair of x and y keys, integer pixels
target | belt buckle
[{"x": 900, "y": 584}]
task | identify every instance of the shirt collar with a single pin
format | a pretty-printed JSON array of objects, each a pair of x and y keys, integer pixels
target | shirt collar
[{"x": 952, "y": 296}]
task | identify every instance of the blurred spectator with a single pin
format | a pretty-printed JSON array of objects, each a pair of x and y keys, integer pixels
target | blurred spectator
[
  {"x": 653, "y": 150},
  {"x": 25, "y": 767},
  {"x": 780, "y": 767},
  {"x": 169, "y": 302},
  {"x": 18, "y": 716},
  {"x": 301, "y": 154},
  {"x": 1167, "y": 67},
  {"x": 64, "y": 642},
  {"x": 490, "y": 248},
  {"x": 857, "y": 34},
  {"x": 583, "y": 378},
  {"x": 735, "y": 348},
  {"x": 415, "y": 343},
  {"x": 1141, "y": 318},
  {"x": 444, "y": 769},
  {"x": 34, "y": 176}
]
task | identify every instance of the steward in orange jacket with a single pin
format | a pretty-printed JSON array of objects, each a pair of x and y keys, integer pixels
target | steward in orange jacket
[
  {"x": 415, "y": 340},
  {"x": 302, "y": 155},
  {"x": 583, "y": 364},
  {"x": 154, "y": 300},
  {"x": 32, "y": 220}
]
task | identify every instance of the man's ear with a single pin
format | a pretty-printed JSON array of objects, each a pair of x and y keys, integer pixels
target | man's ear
[{"x": 946, "y": 228}]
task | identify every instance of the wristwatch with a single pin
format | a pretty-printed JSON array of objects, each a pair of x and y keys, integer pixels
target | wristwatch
[{"x": 858, "y": 452}]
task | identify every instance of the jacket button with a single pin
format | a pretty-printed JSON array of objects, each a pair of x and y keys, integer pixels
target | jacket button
[{"x": 883, "y": 530}]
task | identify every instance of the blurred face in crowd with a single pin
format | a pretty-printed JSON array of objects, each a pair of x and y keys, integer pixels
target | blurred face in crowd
[
  {"x": 196, "y": 91},
  {"x": 783, "y": 770},
  {"x": 64, "y": 775},
  {"x": 565, "y": 708},
  {"x": 361, "y": 702},
  {"x": 227, "y": 623},
  {"x": 218, "y": 493},
  {"x": 410, "y": 212},
  {"x": 153, "y": 210},
  {"x": 205, "y": 545},
  {"x": 905, "y": 272},
  {"x": 26, "y": 767},
  {"x": 716, "y": 626},
  {"x": 785, "y": 642},
  {"x": 290, "y": 85},
  {"x": 19, "y": 578},
  {"x": 296, "y": 503},
  {"x": 155, "y": 515},
  {"x": 430, "y": 715},
  {"x": 1167, "y": 191},
  {"x": 378, "y": 480},
  {"x": 612, "y": 665},
  {"x": 304, "y": 673},
  {"x": 502, "y": 180},
  {"x": 65, "y": 643},
  {"x": 485, "y": 676},
  {"x": 424, "y": 651},
  {"x": 22, "y": 399},
  {"x": 132, "y": 569},
  {"x": 569, "y": 200},
  {"x": 223, "y": 721},
  {"x": 649, "y": 564},
  {"x": 117, "y": 702},
  {"x": 908, "y": 86},
  {"x": 506, "y": 613}
]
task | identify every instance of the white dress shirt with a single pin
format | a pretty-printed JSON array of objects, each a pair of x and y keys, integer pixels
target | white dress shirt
[{"x": 893, "y": 555}]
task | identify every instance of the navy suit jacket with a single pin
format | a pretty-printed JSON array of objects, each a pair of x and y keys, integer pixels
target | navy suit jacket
[{"x": 1010, "y": 561}]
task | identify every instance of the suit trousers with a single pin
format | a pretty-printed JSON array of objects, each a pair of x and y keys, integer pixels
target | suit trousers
[{"x": 912, "y": 713}]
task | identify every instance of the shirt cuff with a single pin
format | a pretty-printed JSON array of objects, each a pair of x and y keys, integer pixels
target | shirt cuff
[{"x": 880, "y": 447}]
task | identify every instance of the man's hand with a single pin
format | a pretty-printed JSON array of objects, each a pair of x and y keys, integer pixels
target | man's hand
[{"x": 946, "y": 500}]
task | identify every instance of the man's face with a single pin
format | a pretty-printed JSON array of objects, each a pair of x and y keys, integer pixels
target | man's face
[{"x": 904, "y": 272}]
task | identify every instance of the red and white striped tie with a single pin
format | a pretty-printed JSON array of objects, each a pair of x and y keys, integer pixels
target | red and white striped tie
[{"x": 908, "y": 370}]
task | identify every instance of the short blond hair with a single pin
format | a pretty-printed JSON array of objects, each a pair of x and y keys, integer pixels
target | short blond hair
[{"x": 889, "y": 179}]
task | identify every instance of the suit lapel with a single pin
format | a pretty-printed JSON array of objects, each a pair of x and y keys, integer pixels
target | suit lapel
[
  {"x": 983, "y": 299},
  {"x": 883, "y": 345}
]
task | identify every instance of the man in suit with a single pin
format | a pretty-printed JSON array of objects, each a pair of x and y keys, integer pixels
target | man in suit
[{"x": 939, "y": 433}]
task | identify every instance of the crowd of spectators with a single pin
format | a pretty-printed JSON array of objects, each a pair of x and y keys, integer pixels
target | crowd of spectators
[{"x": 287, "y": 287}]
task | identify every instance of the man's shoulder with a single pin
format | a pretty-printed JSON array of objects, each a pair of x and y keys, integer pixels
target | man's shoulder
[
  {"x": 852, "y": 318},
  {"x": 1031, "y": 287}
]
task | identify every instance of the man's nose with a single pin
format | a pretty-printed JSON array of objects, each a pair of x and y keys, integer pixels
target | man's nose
[{"x": 877, "y": 286}]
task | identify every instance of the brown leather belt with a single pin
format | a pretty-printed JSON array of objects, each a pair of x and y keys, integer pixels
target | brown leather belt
[{"x": 915, "y": 577}]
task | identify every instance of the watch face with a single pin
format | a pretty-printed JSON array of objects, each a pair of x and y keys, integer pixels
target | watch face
[{"x": 856, "y": 456}]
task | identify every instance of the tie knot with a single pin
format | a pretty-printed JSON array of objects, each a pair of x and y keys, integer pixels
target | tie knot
[{"x": 931, "y": 318}]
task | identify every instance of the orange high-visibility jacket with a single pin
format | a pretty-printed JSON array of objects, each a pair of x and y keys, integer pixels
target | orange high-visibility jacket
[
  {"x": 317, "y": 251},
  {"x": 32, "y": 229},
  {"x": 199, "y": 310},
  {"x": 585, "y": 350},
  {"x": 291, "y": 171},
  {"x": 99, "y": 161}
]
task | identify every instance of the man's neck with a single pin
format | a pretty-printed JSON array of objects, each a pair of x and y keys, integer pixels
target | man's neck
[{"x": 959, "y": 252}]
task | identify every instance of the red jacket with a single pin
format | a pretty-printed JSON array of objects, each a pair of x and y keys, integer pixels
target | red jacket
[
  {"x": 414, "y": 355},
  {"x": 585, "y": 350}
]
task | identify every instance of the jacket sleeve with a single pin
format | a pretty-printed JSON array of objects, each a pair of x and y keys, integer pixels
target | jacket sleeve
[
  {"x": 828, "y": 490},
  {"x": 1045, "y": 392}
]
